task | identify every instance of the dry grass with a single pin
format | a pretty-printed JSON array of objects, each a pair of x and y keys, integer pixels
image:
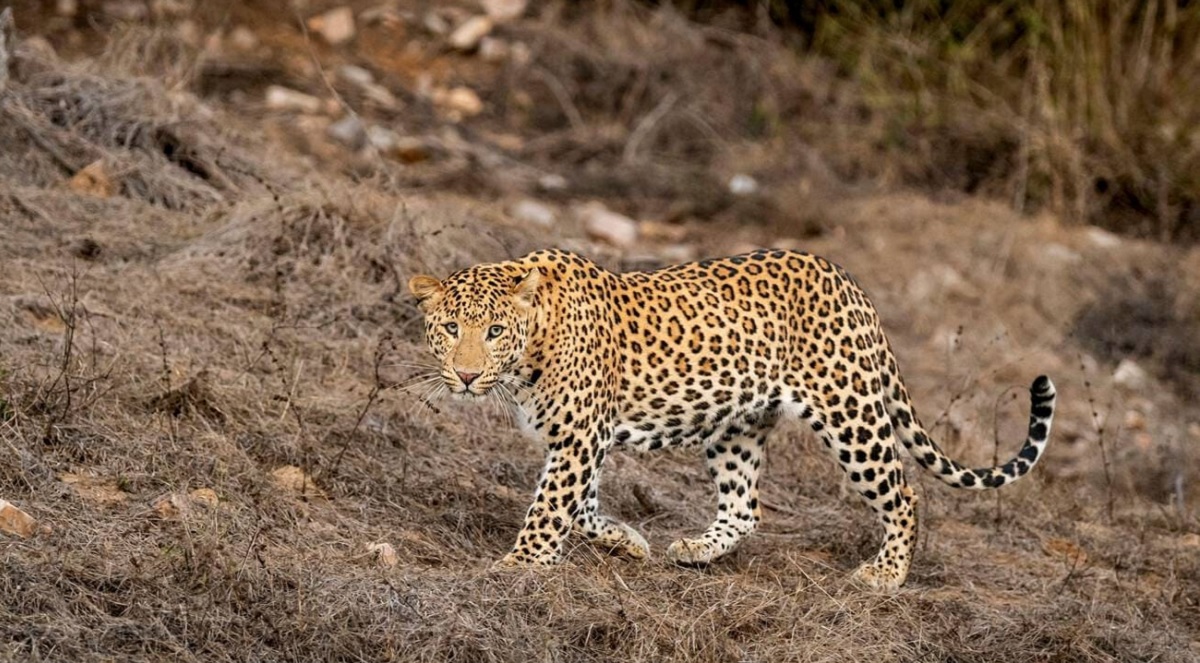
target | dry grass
[
  {"x": 1085, "y": 108},
  {"x": 194, "y": 331}
]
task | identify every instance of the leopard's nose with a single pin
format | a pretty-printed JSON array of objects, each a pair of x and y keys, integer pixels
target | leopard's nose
[{"x": 466, "y": 377}]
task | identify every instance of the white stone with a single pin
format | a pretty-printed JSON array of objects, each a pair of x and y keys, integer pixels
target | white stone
[
  {"x": 677, "y": 253},
  {"x": 492, "y": 49},
  {"x": 287, "y": 99},
  {"x": 243, "y": 39},
  {"x": 533, "y": 212},
  {"x": 1130, "y": 375},
  {"x": 467, "y": 36},
  {"x": 743, "y": 185},
  {"x": 601, "y": 223},
  {"x": 504, "y": 10},
  {"x": 382, "y": 138},
  {"x": 348, "y": 131},
  {"x": 435, "y": 23},
  {"x": 335, "y": 26},
  {"x": 552, "y": 182},
  {"x": 1102, "y": 238},
  {"x": 356, "y": 75}
]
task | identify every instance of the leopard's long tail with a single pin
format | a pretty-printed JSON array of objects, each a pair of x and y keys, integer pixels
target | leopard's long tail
[{"x": 931, "y": 457}]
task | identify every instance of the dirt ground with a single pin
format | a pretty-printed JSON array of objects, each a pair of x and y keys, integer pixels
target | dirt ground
[{"x": 205, "y": 340}]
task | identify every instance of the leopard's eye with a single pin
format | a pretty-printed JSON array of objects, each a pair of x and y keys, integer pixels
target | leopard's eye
[
  {"x": 451, "y": 328},
  {"x": 494, "y": 331}
]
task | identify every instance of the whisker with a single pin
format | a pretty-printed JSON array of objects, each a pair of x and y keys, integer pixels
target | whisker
[
  {"x": 512, "y": 403},
  {"x": 410, "y": 364},
  {"x": 415, "y": 382}
]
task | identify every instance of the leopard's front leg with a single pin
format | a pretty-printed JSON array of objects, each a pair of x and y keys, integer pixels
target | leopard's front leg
[{"x": 567, "y": 485}]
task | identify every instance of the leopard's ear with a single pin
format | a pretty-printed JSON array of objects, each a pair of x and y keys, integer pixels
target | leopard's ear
[
  {"x": 525, "y": 287},
  {"x": 426, "y": 289}
]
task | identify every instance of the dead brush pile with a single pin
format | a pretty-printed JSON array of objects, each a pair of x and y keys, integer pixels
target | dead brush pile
[{"x": 196, "y": 403}]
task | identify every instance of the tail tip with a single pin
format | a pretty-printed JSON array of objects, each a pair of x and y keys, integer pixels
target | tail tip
[{"x": 1042, "y": 386}]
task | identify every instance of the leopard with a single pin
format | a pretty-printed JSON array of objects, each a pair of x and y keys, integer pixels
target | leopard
[{"x": 708, "y": 355}]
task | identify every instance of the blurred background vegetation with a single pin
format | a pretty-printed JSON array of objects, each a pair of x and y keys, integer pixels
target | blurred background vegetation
[{"x": 1090, "y": 108}]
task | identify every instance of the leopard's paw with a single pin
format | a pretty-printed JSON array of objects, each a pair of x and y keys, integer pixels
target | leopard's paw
[{"x": 693, "y": 552}]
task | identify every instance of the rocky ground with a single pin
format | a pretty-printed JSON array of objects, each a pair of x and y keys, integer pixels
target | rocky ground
[{"x": 208, "y": 215}]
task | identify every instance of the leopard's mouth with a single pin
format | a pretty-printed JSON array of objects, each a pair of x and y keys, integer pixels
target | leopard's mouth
[{"x": 468, "y": 393}]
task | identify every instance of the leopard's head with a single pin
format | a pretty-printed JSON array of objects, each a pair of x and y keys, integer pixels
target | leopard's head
[{"x": 477, "y": 323}]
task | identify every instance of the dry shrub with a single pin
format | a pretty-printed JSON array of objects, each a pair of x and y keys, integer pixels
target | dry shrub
[
  {"x": 642, "y": 106},
  {"x": 157, "y": 144},
  {"x": 1087, "y": 108}
]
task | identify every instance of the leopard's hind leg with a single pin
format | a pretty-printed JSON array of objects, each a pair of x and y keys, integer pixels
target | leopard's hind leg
[
  {"x": 859, "y": 432},
  {"x": 734, "y": 461}
]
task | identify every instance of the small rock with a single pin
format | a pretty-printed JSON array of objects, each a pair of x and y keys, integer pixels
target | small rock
[
  {"x": 533, "y": 212},
  {"x": 296, "y": 480},
  {"x": 93, "y": 180},
  {"x": 408, "y": 149},
  {"x": 382, "y": 138},
  {"x": 664, "y": 232},
  {"x": 460, "y": 100},
  {"x": 286, "y": 99},
  {"x": 335, "y": 26},
  {"x": 206, "y": 497},
  {"x": 505, "y": 141},
  {"x": 743, "y": 185},
  {"x": 243, "y": 39},
  {"x": 1102, "y": 238},
  {"x": 601, "y": 223},
  {"x": 504, "y": 10},
  {"x": 552, "y": 182},
  {"x": 348, "y": 131},
  {"x": 15, "y": 521},
  {"x": 467, "y": 36},
  {"x": 385, "y": 554},
  {"x": 1130, "y": 375},
  {"x": 364, "y": 80},
  {"x": 492, "y": 49},
  {"x": 435, "y": 23},
  {"x": 385, "y": 15},
  {"x": 678, "y": 253},
  {"x": 66, "y": 7},
  {"x": 787, "y": 244},
  {"x": 381, "y": 96},
  {"x": 356, "y": 75},
  {"x": 1135, "y": 420}
]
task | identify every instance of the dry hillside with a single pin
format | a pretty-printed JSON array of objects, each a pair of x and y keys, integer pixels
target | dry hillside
[{"x": 208, "y": 212}]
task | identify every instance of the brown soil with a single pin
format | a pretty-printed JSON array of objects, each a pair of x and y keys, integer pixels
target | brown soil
[{"x": 201, "y": 350}]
